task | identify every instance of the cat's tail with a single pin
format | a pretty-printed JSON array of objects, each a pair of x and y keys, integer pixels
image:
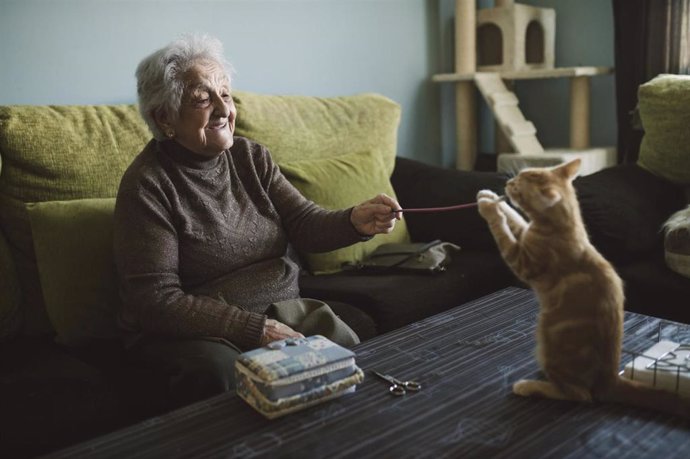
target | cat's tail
[{"x": 635, "y": 393}]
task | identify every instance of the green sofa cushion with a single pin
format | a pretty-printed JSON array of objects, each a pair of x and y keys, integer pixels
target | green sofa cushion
[
  {"x": 303, "y": 127},
  {"x": 10, "y": 294},
  {"x": 10, "y": 291},
  {"x": 73, "y": 241},
  {"x": 341, "y": 182},
  {"x": 665, "y": 148},
  {"x": 52, "y": 153},
  {"x": 61, "y": 153}
]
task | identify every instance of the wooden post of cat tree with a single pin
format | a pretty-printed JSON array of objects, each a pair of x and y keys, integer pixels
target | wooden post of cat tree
[
  {"x": 465, "y": 97},
  {"x": 501, "y": 141},
  {"x": 579, "y": 112}
]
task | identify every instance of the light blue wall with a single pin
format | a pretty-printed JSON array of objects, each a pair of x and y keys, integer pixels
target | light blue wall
[
  {"x": 85, "y": 52},
  {"x": 584, "y": 36}
]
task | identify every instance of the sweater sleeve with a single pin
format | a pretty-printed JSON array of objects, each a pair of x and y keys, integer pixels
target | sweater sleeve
[
  {"x": 146, "y": 256},
  {"x": 310, "y": 228}
]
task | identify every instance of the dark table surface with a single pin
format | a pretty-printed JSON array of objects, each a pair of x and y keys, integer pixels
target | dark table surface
[{"x": 467, "y": 359}]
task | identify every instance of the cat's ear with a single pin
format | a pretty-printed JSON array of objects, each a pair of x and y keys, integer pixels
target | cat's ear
[{"x": 568, "y": 170}]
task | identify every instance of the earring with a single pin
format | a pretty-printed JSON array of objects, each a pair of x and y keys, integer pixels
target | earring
[{"x": 170, "y": 133}]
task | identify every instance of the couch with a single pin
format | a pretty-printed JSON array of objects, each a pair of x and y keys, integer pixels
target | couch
[
  {"x": 64, "y": 375},
  {"x": 625, "y": 208}
]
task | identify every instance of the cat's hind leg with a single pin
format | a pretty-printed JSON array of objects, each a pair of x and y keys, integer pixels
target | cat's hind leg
[{"x": 534, "y": 388}]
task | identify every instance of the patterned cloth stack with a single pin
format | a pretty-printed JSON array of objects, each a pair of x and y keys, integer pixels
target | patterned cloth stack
[{"x": 293, "y": 374}]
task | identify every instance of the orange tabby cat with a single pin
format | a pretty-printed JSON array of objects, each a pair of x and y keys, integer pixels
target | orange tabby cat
[{"x": 580, "y": 295}]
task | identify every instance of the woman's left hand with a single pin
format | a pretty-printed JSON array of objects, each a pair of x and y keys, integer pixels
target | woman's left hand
[{"x": 375, "y": 216}]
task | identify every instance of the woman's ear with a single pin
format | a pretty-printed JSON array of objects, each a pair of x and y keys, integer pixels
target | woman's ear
[{"x": 163, "y": 123}]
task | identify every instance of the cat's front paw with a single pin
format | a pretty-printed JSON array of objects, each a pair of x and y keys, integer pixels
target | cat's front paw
[
  {"x": 487, "y": 194},
  {"x": 487, "y": 202}
]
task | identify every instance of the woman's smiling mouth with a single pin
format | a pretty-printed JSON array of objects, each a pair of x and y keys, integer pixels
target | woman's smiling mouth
[{"x": 217, "y": 126}]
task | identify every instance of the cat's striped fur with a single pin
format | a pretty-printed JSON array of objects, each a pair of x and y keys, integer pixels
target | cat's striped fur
[{"x": 581, "y": 298}]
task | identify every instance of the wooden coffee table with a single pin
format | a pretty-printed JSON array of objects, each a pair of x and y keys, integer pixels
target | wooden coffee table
[{"x": 466, "y": 359}]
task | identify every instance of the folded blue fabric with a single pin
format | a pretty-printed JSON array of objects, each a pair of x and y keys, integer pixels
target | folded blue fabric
[{"x": 292, "y": 374}]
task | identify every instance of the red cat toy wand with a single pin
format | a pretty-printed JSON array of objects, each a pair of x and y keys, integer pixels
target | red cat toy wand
[{"x": 444, "y": 209}]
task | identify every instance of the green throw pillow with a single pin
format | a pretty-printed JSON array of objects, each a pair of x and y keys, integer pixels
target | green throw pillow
[
  {"x": 57, "y": 153},
  {"x": 73, "y": 243},
  {"x": 338, "y": 183},
  {"x": 296, "y": 128},
  {"x": 664, "y": 110},
  {"x": 10, "y": 293}
]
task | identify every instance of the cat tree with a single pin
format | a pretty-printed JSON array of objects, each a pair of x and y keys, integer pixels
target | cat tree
[{"x": 494, "y": 47}]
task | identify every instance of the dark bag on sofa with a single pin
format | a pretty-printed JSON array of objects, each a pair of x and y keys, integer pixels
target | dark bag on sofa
[{"x": 417, "y": 257}]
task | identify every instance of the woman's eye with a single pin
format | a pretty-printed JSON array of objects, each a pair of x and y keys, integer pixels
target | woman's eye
[{"x": 203, "y": 102}]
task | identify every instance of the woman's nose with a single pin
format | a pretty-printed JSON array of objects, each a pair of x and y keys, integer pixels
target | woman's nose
[{"x": 221, "y": 108}]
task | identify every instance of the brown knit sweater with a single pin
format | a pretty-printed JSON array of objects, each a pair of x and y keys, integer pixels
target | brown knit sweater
[{"x": 200, "y": 244}]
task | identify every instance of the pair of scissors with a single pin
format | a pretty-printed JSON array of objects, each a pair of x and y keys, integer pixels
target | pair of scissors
[{"x": 398, "y": 387}]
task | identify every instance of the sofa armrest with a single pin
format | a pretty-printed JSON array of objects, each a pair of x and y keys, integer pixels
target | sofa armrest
[
  {"x": 417, "y": 184},
  {"x": 624, "y": 208}
]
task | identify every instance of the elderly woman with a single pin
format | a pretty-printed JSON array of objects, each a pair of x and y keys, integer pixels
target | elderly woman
[{"x": 202, "y": 225}]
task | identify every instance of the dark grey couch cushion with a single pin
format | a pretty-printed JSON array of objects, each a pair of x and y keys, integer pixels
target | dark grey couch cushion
[
  {"x": 422, "y": 185},
  {"x": 652, "y": 288},
  {"x": 624, "y": 208},
  {"x": 394, "y": 300},
  {"x": 50, "y": 399},
  {"x": 397, "y": 299}
]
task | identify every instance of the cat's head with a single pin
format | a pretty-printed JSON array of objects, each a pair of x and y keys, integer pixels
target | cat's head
[{"x": 537, "y": 189}]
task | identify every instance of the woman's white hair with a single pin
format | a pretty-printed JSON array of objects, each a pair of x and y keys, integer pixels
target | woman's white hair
[{"x": 160, "y": 82}]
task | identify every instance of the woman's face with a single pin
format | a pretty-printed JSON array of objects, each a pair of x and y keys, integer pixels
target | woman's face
[{"x": 206, "y": 121}]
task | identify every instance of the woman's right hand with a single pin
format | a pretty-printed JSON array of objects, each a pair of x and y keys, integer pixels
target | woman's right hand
[{"x": 274, "y": 331}]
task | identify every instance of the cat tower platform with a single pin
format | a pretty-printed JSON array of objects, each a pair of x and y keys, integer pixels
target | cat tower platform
[
  {"x": 593, "y": 159},
  {"x": 494, "y": 47}
]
